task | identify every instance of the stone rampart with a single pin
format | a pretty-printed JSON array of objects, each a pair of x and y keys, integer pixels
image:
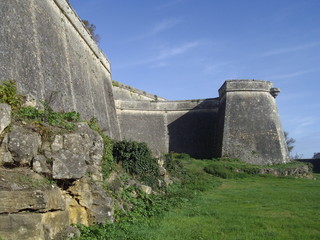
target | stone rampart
[
  {"x": 178, "y": 126},
  {"x": 48, "y": 51},
  {"x": 242, "y": 123}
]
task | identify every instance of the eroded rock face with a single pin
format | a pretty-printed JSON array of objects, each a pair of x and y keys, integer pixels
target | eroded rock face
[
  {"x": 23, "y": 144},
  {"x": 31, "y": 207},
  {"x": 94, "y": 198},
  {"x": 68, "y": 165},
  {"x": 5, "y": 155},
  {"x": 40, "y": 165},
  {"x": 5, "y": 116},
  {"x": 31, "y": 200},
  {"x": 75, "y": 154},
  {"x": 300, "y": 171},
  {"x": 21, "y": 226}
]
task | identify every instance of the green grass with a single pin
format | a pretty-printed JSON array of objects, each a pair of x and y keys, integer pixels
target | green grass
[
  {"x": 254, "y": 207},
  {"x": 250, "y": 208}
]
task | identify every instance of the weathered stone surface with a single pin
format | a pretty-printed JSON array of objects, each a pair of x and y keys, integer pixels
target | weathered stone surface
[
  {"x": 250, "y": 124},
  {"x": 162, "y": 171},
  {"x": 146, "y": 189},
  {"x": 30, "y": 208},
  {"x": 54, "y": 224},
  {"x": 94, "y": 198},
  {"x": 75, "y": 154},
  {"x": 68, "y": 165},
  {"x": 297, "y": 171},
  {"x": 31, "y": 200},
  {"x": 26, "y": 226},
  {"x": 23, "y": 190},
  {"x": 57, "y": 143},
  {"x": 76, "y": 212},
  {"x": 94, "y": 143},
  {"x": 167, "y": 179},
  {"x": 39, "y": 165},
  {"x": 68, "y": 232},
  {"x": 5, "y": 155},
  {"x": 31, "y": 101},
  {"x": 23, "y": 145},
  {"x": 60, "y": 60},
  {"x": 34, "y": 226},
  {"x": 5, "y": 116}
]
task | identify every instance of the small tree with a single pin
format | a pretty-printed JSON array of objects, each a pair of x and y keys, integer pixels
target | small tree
[
  {"x": 289, "y": 141},
  {"x": 91, "y": 28}
]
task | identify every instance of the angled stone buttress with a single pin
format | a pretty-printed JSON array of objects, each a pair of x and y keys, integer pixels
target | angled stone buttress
[{"x": 249, "y": 123}]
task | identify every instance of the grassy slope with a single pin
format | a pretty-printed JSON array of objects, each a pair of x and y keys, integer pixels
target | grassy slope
[{"x": 248, "y": 208}]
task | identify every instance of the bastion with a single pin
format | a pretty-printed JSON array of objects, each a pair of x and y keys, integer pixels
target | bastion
[
  {"x": 243, "y": 122},
  {"x": 47, "y": 50}
]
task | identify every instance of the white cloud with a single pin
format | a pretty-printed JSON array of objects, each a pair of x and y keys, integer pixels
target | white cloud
[
  {"x": 290, "y": 49},
  {"x": 306, "y": 121},
  {"x": 166, "y": 53},
  {"x": 158, "y": 28},
  {"x": 170, "y": 52},
  {"x": 291, "y": 75}
]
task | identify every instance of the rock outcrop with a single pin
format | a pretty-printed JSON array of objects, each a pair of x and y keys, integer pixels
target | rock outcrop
[
  {"x": 31, "y": 206},
  {"x": 47, "y": 184}
]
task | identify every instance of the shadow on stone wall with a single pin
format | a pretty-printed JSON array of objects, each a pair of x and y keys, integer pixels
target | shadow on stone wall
[{"x": 194, "y": 133}]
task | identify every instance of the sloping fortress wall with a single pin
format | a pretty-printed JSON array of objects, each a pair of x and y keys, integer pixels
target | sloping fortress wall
[
  {"x": 47, "y": 50},
  {"x": 243, "y": 122},
  {"x": 171, "y": 126}
]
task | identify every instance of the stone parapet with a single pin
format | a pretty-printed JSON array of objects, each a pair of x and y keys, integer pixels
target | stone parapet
[
  {"x": 125, "y": 92},
  {"x": 245, "y": 85}
]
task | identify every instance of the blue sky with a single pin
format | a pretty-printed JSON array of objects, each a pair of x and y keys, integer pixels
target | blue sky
[{"x": 186, "y": 49}]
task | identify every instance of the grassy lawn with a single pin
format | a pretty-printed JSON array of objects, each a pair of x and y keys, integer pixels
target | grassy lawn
[
  {"x": 252, "y": 207},
  {"x": 248, "y": 208}
]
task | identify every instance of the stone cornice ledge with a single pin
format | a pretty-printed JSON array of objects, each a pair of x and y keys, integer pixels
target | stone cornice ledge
[{"x": 245, "y": 85}]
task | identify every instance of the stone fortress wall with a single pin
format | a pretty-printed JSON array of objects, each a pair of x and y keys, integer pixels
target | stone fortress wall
[
  {"x": 243, "y": 122},
  {"x": 47, "y": 50},
  {"x": 171, "y": 126}
]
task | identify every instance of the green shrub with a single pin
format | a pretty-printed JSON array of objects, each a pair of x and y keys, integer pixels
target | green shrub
[
  {"x": 48, "y": 116},
  {"x": 115, "y": 83},
  {"x": 180, "y": 156},
  {"x": 136, "y": 159},
  {"x": 9, "y": 95},
  {"x": 108, "y": 163},
  {"x": 174, "y": 165}
]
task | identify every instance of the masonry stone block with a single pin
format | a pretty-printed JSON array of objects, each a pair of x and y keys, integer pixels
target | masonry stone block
[{"x": 23, "y": 145}]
